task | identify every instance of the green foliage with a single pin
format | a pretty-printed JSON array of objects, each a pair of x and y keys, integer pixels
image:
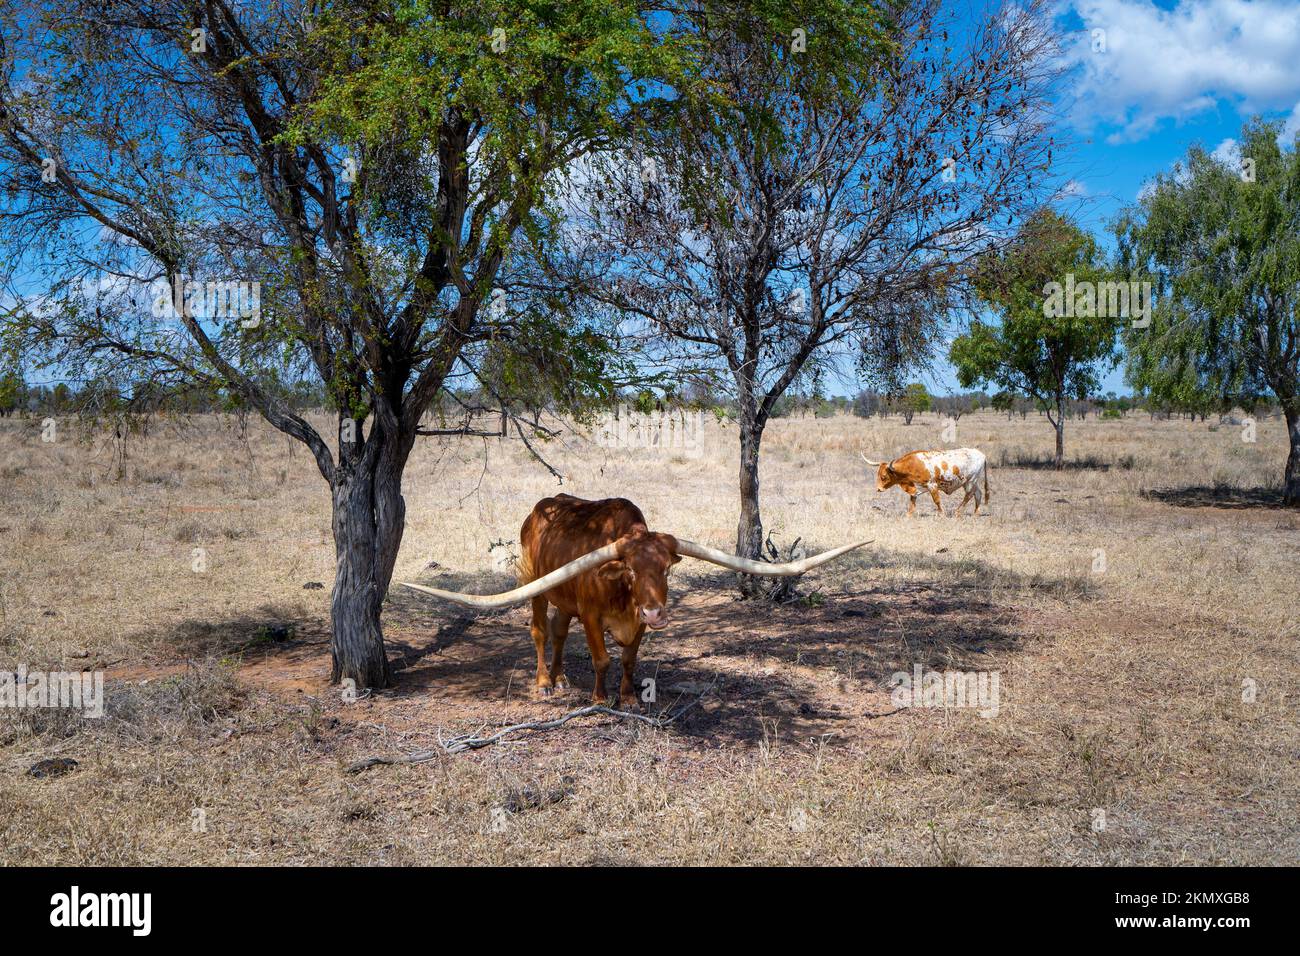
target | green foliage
[
  {"x": 1039, "y": 348},
  {"x": 552, "y": 361},
  {"x": 915, "y": 398},
  {"x": 12, "y": 391},
  {"x": 531, "y": 83},
  {"x": 1221, "y": 243},
  {"x": 510, "y": 66},
  {"x": 826, "y": 408}
]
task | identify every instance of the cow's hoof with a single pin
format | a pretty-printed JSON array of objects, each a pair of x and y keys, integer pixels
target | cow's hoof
[
  {"x": 545, "y": 691},
  {"x": 561, "y": 683},
  {"x": 630, "y": 704}
]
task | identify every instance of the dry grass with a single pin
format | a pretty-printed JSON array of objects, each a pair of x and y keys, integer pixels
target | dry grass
[{"x": 1123, "y": 603}]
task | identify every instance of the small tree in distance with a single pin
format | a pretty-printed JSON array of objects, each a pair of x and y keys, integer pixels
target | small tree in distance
[
  {"x": 915, "y": 398},
  {"x": 12, "y": 392},
  {"x": 1039, "y": 348}
]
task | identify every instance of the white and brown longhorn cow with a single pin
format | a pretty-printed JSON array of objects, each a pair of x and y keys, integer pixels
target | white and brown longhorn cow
[{"x": 936, "y": 471}]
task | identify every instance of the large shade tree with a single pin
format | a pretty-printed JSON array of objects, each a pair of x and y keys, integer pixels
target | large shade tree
[
  {"x": 375, "y": 166},
  {"x": 1054, "y": 337},
  {"x": 1220, "y": 240},
  {"x": 822, "y": 211}
]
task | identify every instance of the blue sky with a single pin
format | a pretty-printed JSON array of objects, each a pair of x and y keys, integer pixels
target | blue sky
[{"x": 1165, "y": 74}]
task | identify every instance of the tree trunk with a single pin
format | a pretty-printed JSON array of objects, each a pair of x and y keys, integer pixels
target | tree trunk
[
  {"x": 369, "y": 514},
  {"x": 1291, "y": 483},
  {"x": 1059, "y": 425},
  {"x": 749, "y": 532}
]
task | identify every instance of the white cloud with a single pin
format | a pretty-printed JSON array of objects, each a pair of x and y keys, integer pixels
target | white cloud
[
  {"x": 1290, "y": 128},
  {"x": 1228, "y": 152},
  {"x": 1157, "y": 65}
]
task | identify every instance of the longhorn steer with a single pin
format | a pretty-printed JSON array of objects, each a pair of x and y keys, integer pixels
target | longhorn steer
[
  {"x": 936, "y": 471},
  {"x": 598, "y": 561}
]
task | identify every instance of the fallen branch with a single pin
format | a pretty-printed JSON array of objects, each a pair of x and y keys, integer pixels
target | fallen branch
[
  {"x": 419, "y": 757},
  {"x": 469, "y": 742}
]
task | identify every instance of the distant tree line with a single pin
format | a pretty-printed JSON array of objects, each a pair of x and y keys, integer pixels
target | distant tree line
[
  {"x": 457, "y": 407},
  {"x": 138, "y": 398}
]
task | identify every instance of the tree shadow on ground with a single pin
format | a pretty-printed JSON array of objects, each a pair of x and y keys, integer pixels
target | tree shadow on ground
[
  {"x": 270, "y": 629},
  {"x": 729, "y": 671},
  {"x": 1048, "y": 463},
  {"x": 1216, "y": 496},
  {"x": 733, "y": 671}
]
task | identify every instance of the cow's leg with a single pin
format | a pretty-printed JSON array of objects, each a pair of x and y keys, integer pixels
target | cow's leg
[
  {"x": 627, "y": 696},
  {"x": 934, "y": 493},
  {"x": 969, "y": 495},
  {"x": 911, "y": 505},
  {"x": 538, "y": 630},
  {"x": 559, "y": 632},
  {"x": 599, "y": 656},
  {"x": 978, "y": 496}
]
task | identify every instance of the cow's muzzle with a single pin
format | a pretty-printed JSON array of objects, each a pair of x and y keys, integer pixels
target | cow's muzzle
[{"x": 654, "y": 617}]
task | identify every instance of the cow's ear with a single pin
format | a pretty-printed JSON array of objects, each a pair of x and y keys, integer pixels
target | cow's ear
[
  {"x": 614, "y": 571},
  {"x": 671, "y": 544}
]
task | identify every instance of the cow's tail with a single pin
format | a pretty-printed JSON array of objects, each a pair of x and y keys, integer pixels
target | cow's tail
[
  {"x": 986, "y": 483},
  {"x": 524, "y": 569}
]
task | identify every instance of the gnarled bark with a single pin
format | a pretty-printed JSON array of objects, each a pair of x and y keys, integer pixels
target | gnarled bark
[
  {"x": 368, "y": 518},
  {"x": 749, "y": 530}
]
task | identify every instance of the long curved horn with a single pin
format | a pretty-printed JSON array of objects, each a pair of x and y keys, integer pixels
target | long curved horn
[
  {"x": 690, "y": 549},
  {"x": 869, "y": 461},
  {"x": 592, "y": 559}
]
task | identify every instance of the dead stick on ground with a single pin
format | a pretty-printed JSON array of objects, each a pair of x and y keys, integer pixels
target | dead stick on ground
[{"x": 469, "y": 742}]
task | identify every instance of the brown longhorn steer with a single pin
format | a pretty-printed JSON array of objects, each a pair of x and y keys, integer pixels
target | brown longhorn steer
[{"x": 598, "y": 561}]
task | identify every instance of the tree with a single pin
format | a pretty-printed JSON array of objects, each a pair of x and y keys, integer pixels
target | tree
[
  {"x": 915, "y": 398},
  {"x": 950, "y": 406},
  {"x": 1055, "y": 335},
  {"x": 13, "y": 392},
  {"x": 1221, "y": 243},
  {"x": 824, "y": 210},
  {"x": 362, "y": 176},
  {"x": 866, "y": 403}
]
